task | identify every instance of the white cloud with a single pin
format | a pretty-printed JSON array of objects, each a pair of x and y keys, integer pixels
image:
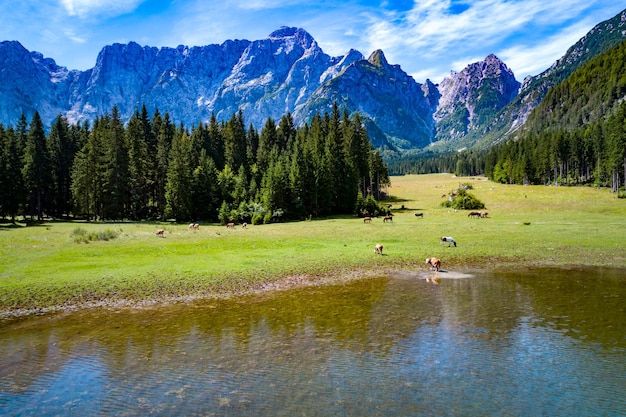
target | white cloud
[
  {"x": 85, "y": 8},
  {"x": 532, "y": 60}
]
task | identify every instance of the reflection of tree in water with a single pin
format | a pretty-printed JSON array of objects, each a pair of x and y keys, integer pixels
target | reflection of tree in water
[
  {"x": 295, "y": 335},
  {"x": 585, "y": 304}
]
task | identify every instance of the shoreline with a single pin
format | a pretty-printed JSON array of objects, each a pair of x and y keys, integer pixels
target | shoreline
[{"x": 286, "y": 283}]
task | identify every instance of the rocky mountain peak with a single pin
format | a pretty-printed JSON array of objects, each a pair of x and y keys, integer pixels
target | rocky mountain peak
[
  {"x": 377, "y": 58},
  {"x": 285, "y": 72},
  {"x": 300, "y": 35},
  {"x": 473, "y": 96}
]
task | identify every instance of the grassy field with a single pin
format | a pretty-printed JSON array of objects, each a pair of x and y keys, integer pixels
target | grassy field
[{"x": 46, "y": 266}]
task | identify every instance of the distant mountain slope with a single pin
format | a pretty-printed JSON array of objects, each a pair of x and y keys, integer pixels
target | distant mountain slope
[
  {"x": 398, "y": 105},
  {"x": 289, "y": 73},
  {"x": 601, "y": 38},
  {"x": 588, "y": 95},
  {"x": 286, "y": 72},
  {"x": 471, "y": 98}
]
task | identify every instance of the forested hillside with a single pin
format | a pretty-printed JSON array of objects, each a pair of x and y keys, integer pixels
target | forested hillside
[
  {"x": 152, "y": 169},
  {"x": 576, "y": 135}
]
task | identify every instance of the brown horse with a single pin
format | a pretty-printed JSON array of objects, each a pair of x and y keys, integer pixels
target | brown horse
[
  {"x": 367, "y": 219},
  {"x": 160, "y": 233},
  {"x": 390, "y": 218},
  {"x": 230, "y": 226},
  {"x": 474, "y": 214}
]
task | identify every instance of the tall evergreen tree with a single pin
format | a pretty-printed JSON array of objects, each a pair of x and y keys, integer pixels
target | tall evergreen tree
[
  {"x": 234, "y": 135},
  {"x": 204, "y": 189},
  {"x": 116, "y": 191},
  {"x": 11, "y": 180},
  {"x": 178, "y": 192},
  {"x": 62, "y": 150},
  {"x": 165, "y": 133},
  {"x": 36, "y": 168},
  {"x": 216, "y": 143},
  {"x": 139, "y": 164},
  {"x": 87, "y": 174}
]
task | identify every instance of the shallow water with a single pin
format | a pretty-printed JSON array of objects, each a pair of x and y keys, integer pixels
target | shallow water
[{"x": 537, "y": 342}]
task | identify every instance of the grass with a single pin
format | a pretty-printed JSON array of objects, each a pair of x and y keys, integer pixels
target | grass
[{"x": 59, "y": 264}]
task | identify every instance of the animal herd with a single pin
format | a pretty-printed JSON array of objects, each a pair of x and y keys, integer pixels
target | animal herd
[
  {"x": 432, "y": 262},
  {"x": 196, "y": 226}
]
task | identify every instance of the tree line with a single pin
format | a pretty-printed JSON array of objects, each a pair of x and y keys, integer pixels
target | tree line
[
  {"x": 595, "y": 153},
  {"x": 576, "y": 135},
  {"x": 149, "y": 168}
]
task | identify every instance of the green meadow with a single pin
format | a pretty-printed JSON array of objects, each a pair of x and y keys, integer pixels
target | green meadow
[{"x": 67, "y": 264}]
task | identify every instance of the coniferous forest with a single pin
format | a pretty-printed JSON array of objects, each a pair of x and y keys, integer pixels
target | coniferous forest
[
  {"x": 577, "y": 135},
  {"x": 224, "y": 171}
]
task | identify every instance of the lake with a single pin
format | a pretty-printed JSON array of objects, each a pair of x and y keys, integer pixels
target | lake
[{"x": 524, "y": 343}]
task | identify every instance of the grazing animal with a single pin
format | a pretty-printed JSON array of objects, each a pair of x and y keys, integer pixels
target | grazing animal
[
  {"x": 194, "y": 226},
  {"x": 160, "y": 233},
  {"x": 419, "y": 214},
  {"x": 448, "y": 239},
  {"x": 245, "y": 225},
  {"x": 230, "y": 226},
  {"x": 444, "y": 195},
  {"x": 190, "y": 225},
  {"x": 434, "y": 263},
  {"x": 390, "y": 218},
  {"x": 474, "y": 214},
  {"x": 378, "y": 249},
  {"x": 484, "y": 214},
  {"x": 367, "y": 219}
]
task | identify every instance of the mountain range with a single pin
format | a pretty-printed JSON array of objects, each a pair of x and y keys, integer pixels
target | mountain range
[{"x": 289, "y": 73}]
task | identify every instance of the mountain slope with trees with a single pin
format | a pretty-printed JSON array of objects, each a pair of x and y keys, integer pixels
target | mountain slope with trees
[{"x": 576, "y": 135}]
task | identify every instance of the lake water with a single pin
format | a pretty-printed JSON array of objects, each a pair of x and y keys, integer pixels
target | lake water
[{"x": 530, "y": 343}]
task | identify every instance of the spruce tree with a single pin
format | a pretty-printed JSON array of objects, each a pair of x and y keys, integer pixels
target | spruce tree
[
  {"x": 11, "y": 180},
  {"x": 36, "y": 168},
  {"x": 62, "y": 150},
  {"x": 178, "y": 191}
]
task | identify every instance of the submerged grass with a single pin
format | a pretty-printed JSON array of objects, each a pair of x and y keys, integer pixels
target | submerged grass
[{"x": 72, "y": 264}]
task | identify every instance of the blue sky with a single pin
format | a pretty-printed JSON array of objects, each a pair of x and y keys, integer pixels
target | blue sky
[{"x": 427, "y": 38}]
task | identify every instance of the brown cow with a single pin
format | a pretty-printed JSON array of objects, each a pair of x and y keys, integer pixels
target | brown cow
[
  {"x": 230, "y": 226},
  {"x": 367, "y": 219},
  {"x": 474, "y": 214},
  {"x": 484, "y": 214},
  {"x": 390, "y": 218},
  {"x": 434, "y": 263},
  {"x": 419, "y": 214},
  {"x": 378, "y": 249},
  {"x": 160, "y": 233}
]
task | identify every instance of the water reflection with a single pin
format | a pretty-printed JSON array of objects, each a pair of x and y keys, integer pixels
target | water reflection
[{"x": 524, "y": 343}]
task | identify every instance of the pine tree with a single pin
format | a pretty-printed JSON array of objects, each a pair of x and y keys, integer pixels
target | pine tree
[
  {"x": 235, "y": 142},
  {"x": 62, "y": 150},
  {"x": 178, "y": 192},
  {"x": 204, "y": 195},
  {"x": 36, "y": 168},
  {"x": 165, "y": 132},
  {"x": 138, "y": 167},
  {"x": 115, "y": 191},
  {"x": 11, "y": 180}
]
